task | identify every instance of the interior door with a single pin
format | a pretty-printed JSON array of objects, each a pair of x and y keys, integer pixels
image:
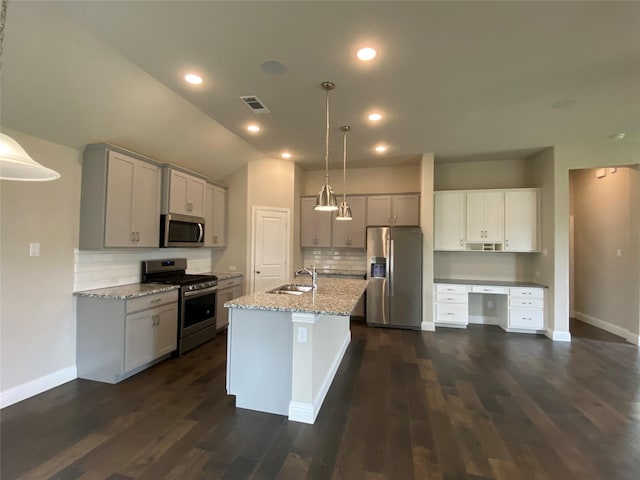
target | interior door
[{"x": 271, "y": 248}]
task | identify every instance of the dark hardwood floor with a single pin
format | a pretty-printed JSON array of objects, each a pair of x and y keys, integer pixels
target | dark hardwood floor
[{"x": 458, "y": 404}]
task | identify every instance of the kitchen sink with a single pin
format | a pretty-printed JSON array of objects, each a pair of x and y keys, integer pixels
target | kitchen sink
[{"x": 291, "y": 289}]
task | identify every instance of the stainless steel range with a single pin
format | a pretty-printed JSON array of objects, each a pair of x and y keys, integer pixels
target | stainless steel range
[{"x": 197, "y": 299}]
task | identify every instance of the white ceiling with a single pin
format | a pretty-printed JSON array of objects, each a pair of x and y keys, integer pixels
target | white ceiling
[{"x": 457, "y": 79}]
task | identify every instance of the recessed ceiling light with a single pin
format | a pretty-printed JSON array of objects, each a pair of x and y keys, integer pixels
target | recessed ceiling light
[
  {"x": 253, "y": 128},
  {"x": 381, "y": 148},
  {"x": 193, "y": 79},
  {"x": 366, "y": 54},
  {"x": 617, "y": 136},
  {"x": 285, "y": 155},
  {"x": 374, "y": 117}
]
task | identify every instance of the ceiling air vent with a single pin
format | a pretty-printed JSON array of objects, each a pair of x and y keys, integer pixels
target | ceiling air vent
[{"x": 255, "y": 104}]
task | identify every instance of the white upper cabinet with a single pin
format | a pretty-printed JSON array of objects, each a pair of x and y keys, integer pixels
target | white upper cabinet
[
  {"x": 485, "y": 216},
  {"x": 215, "y": 214},
  {"x": 487, "y": 220},
  {"x": 521, "y": 220},
  {"x": 315, "y": 226},
  {"x": 186, "y": 193},
  {"x": 120, "y": 205},
  {"x": 393, "y": 210},
  {"x": 449, "y": 220},
  {"x": 351, "y": 233}
]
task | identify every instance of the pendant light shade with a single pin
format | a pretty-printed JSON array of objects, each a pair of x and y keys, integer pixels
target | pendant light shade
[
  {"x": 16, "y": 164},
  {"x": 344, "y": 210},
  {"x": 326, "y": 200}
]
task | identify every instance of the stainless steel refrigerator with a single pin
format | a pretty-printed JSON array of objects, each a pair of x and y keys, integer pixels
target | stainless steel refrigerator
[{"x": 394, "y": 270}]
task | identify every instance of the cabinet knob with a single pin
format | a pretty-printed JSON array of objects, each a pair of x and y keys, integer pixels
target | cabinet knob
[{"x": 258, "y": 272}]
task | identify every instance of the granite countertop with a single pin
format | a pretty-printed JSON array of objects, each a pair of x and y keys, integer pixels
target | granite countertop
[
  {"x": 333, "y": 297},
  {"x": 225, "y": 275},
  {"x": 124, "y": 292},
  {"x": 494, "y": 283}
]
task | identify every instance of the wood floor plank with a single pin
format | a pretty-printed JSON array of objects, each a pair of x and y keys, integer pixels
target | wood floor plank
[{"x": 455, "y": 404}]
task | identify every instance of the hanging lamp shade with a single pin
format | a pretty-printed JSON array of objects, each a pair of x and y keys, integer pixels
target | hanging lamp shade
[
  {"x": 326, "y": 200},
  {"x": 16, "y": 164},
  {"x": 344, "y": 210}
]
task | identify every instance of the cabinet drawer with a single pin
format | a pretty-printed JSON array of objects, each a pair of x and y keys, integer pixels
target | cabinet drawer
[
  {"x": 488, "y": 289},
  {"x": 229, "y": 282},
  {"x": 150, "y": 301},
  {"x": 526, "y": 302},
  {"x": 449, "y": 288},
  {"x": 452, "y": 313},
  {"x": 526, "y": 292},
  {"x": 462, "y": 298},
  {"x": 521, "y": 318}
]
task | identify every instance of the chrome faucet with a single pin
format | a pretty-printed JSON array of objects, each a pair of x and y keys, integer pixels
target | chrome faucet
[{"x": 310, "y": 270}]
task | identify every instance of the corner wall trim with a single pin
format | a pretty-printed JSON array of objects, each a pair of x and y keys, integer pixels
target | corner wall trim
[
  {"x": 428, "y": 327},
  {"x": 34, "y": 387}
]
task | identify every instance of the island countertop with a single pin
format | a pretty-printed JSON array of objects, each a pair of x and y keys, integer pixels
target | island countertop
[{"x": 333, "y": 297}]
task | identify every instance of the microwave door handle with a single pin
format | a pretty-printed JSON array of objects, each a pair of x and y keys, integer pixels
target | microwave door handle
[{"x": 201, "y": 228}]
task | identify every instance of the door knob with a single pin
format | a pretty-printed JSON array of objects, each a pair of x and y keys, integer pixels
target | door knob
[{"x": 258, "y": 272}]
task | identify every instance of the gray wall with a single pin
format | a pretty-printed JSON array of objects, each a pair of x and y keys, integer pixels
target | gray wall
[
  {"x": 606, "y": 220},
  {"x": 37, "y": 309}
]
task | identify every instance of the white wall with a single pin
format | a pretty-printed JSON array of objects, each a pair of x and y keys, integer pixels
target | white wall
[
  {"x": 606, "y": 283},
  {"x": 37, "y": 313},
  {"x": 467, "y": 175}
]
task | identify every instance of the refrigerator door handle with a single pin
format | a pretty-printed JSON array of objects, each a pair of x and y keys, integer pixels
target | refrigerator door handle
[{"x": 390, "y": 266}]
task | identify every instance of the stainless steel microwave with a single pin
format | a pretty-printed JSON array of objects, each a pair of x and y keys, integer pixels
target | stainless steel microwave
[{"x": 181, "y": 231}]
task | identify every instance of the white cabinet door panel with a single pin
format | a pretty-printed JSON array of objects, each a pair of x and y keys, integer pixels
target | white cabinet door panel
[
  {"x": 448, "y": 228},
  {"x": 521, "y": 221},
  {"x": 120, "y": 195},
  {"x": 146, "y": 205}
]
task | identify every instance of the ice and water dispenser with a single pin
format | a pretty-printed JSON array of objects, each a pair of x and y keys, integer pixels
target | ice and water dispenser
[{"x": 378, "y": 267}]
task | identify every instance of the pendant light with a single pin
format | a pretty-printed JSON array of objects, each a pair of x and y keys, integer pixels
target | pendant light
[
  {"x": 344, "y": 210},
  {"x": 16, "y": 164},
  {"x": 326, "y": 200}
]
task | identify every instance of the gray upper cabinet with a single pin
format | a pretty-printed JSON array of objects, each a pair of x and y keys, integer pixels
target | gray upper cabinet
[
  {"x": 315, "y": 227},
  {"x": 351, "y": 233},
  {"x": 120, "y": 204},
  {"x": 215, "y": 215},
  {"x": 393, "y": 209},
  {"x": 184, "y": 193}
]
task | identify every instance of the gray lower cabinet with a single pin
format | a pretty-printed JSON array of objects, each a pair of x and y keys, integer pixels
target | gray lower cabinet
[
  {"x": 228, "y": 289},
  {"x": 117, "y": 338}
]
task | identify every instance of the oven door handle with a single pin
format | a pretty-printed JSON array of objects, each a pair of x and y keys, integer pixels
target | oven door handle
[{"x": 197, "y": 293}]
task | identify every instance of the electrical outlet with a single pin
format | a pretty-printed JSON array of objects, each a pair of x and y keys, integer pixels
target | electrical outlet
[
  {"x": 302, "y": 334},
  {"x": 489, "y": 303},
  {"x": 619, "y": 252},
  {"x": 232, "y": 268}
]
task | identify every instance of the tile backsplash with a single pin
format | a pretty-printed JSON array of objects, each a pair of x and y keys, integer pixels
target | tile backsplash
[
  {"x": 109, "y": 268},
  {"x": 330, "y": 259}
]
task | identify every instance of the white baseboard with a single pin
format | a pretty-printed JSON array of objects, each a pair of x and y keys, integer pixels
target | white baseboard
[
  {"x": 301, "y": 412},
  {"x": 483, "y": 320},
  {"x": 34, "y": 387},
  {"x": 558, "y": 335},
  {"x": 608, "y": 327},
  {"x": 428, "y": 327}
]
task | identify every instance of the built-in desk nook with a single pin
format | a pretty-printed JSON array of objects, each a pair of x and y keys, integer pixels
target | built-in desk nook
[{"x": 514, "y": 306}]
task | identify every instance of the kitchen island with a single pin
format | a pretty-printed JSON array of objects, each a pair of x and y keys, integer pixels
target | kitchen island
[{"x": 283, "y": 350}]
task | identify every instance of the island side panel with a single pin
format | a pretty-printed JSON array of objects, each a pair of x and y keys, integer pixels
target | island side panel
[
  {"x": 331, "y": 338},
  {"x": 259, "y": 359}
]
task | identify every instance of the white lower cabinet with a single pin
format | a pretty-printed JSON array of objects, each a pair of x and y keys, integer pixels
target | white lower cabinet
[
  {"x": 118, "y": 337},
  {"x": 228, "y": 289},
  {"x": 526, "y": 308},
  {"x": 451, "y": 306},
  {"x": 525, "y": 312}
]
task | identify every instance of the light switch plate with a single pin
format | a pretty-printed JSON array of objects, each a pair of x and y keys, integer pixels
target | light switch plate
[{"x": 34, "y": 249}]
